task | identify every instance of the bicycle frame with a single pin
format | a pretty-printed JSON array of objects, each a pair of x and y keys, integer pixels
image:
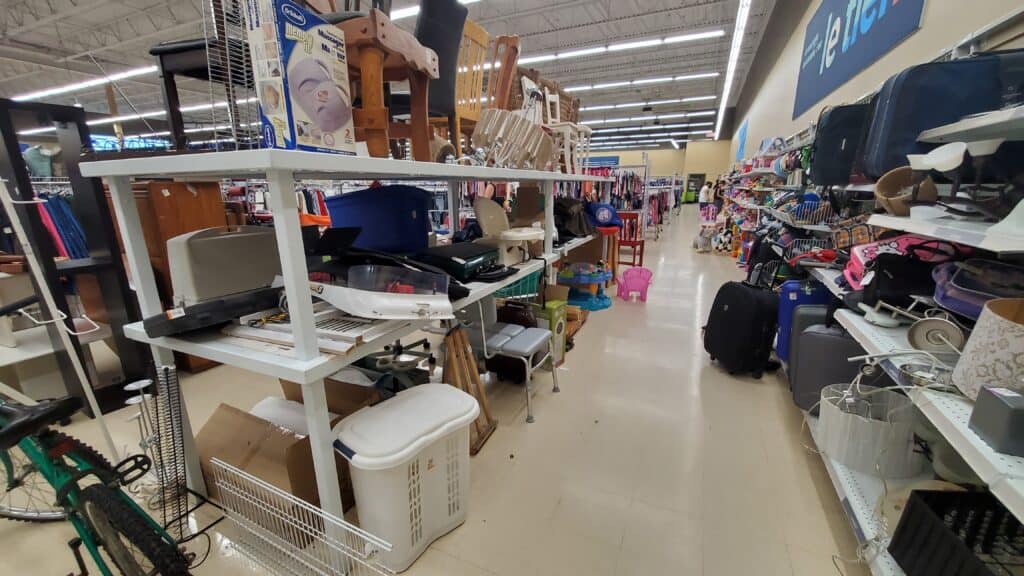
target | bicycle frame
[{"x": 63, "y": 477}]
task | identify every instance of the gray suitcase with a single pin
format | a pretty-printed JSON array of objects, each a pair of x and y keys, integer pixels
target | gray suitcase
[
  {"x": 822, "y": 360},
  {"x": 804, "y": 316}
]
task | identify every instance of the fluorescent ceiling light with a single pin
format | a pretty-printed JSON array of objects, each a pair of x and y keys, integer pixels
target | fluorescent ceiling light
[
  {"x": 634, "y": 45},
  {"x": 674, "y": 143},
  {"x": 611, "y": 85},
  {"x": 642, "y": 104},
  {"x": 652, "y": 80},
  {"x": 85, "y": 84},
  {"x": 631, "y": 45},
  {"x": 415, "y": 10},
  {"x": 581, "y": 52},
  {"x": 140, "y": 115},
  {"x": 695, "y": 36},
  {"x": 650, "y": 117},
  {"x": 697, "y": 76},
  {"x": 621, "y": 83},
  {"x": 532, "y": 59},
  {"x": 734, "y": 55}
]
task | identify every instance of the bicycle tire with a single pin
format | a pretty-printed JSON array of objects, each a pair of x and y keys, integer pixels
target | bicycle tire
[
  {"x": 120, "y": 527},
  {"x": 33, "y": 499},
  {"x": 51, "y": 511}
]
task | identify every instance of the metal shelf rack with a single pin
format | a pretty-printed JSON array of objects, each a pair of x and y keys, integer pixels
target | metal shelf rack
[
  {"x": 303, "y": 363},
  {"x": 948, "y": 413}
]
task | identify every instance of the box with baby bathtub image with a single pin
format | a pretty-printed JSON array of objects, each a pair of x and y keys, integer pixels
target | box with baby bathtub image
[{"x": 300, "y": 75}]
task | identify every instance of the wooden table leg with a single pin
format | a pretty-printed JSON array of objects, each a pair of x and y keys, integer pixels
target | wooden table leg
[
  {"x": 372, "y": 117},
  {"x": 419, "y": 119}
]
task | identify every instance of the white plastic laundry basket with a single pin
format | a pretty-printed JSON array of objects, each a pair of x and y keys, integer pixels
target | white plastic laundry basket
[{"x": 410, "y": 467}]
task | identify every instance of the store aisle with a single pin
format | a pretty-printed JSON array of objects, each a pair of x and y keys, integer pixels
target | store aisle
[{"x": 651, "y": 461}]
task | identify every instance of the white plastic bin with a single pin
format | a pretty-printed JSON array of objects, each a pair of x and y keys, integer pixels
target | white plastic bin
[{"x": 410, "y": 467}]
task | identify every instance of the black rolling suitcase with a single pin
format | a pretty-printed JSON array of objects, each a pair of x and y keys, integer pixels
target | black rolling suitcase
[{"x": 741, "y": 327}]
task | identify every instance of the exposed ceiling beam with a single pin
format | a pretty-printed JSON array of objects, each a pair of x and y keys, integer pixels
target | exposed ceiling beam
[
  {"x": 548, "y": 8},
  {"x": 84, "y": 6},
  {"x": 39, "y": 57},
  {"x": 190, "y": 25}
]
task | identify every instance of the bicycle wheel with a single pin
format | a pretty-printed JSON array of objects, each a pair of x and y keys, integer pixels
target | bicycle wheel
[
  {"x": 25, "y": 494},
  {"x": 128, "y": 538}
]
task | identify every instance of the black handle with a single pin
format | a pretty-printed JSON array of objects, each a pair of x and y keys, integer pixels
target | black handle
[{"x": 8, "y": 309}]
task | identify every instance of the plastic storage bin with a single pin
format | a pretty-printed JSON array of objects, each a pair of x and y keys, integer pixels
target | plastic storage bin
[
  {"x": 957, "y": 534},
  {"x": 410, "y": 467},
  {"x": 392, "y": 218}
]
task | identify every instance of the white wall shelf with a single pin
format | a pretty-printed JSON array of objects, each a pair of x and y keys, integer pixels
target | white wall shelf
[
  {"x": 949, "y": 414},
  {"x": 968, "y": 233},
  {"x": 788, "y": 220},
  {"x": 313, "y": 165},
  {"x": 828, "y": 277},
  {"x": 302, "y": 363},
  {"x": 859, "y": 495},
  {"x": 1001, "y": 124}
]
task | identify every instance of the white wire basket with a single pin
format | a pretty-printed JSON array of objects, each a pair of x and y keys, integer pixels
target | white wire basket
[
  {"x": 287, "y": 536},
  {"x": 805, "y": 245}
]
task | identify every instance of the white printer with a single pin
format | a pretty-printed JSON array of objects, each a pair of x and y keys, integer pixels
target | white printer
[{"x": 217, "y": 262}]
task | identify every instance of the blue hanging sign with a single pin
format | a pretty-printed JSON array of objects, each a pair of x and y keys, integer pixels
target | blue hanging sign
[
  {"x": 845, "y": 37},
  {"x": 741, "y": 135},
  {"x": 603, "y": 161}
]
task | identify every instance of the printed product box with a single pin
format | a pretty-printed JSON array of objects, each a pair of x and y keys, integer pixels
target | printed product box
[{"x": 300, "y": 74}]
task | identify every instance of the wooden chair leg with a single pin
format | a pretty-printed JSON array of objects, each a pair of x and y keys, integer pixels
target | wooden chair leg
[
  {"x": 372, "y": 117},
  {"x": 455, "y": 131},
  {"x": 419, "y": 119}
]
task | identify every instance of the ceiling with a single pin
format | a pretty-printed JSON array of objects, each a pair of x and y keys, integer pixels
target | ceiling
[{"x": 50, "y": 43}]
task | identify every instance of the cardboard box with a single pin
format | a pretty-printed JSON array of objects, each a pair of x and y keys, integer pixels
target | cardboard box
[
  {"x": 300, "y": 72},
  {"x": 342, "y": 398},
  {"x": 556, "y": 292},
  {"x": 269, "y": 452}
]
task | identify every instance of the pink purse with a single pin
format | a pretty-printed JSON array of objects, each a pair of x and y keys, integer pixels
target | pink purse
[{"x": 864, "y": 254}]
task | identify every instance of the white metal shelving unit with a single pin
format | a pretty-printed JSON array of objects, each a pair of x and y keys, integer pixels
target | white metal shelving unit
[
  {"x": 948, "y": 413},
  {"x": 303, "y": 363},
  {"x": 828, "y": 277},
  {"x": 860, "y": 495},
  {"x": 969, "y": 233},
  {"x": 1008, "y": 124}
]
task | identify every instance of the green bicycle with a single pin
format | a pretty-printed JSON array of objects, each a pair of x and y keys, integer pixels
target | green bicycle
[{"x": 49, "y": 476}]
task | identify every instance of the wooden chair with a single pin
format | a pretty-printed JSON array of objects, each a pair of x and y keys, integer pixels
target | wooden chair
[
  {"x": 500, "y": 80},
  {"x": 379, "y": 52},
  {"x": 631, "y": 236},
  {"x": 469, "y": 83}
]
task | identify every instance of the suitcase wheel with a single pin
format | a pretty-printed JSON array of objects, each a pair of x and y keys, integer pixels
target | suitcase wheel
[
  {"x": 712, "y": 358},
  {"x": 757, "y": 375}
]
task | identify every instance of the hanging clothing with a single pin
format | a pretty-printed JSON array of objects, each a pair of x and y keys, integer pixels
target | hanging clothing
[{"x": 58, "y": 243}]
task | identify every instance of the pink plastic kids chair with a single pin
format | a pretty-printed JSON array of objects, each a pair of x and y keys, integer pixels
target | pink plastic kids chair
[{"x": 635, "y": 280}]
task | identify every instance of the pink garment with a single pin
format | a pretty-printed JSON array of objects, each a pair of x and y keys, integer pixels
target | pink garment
[{"x": 52, "y": 229}]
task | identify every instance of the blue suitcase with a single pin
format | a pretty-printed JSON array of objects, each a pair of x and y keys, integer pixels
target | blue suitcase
[
  {"x": 792, "y": 294},
  {"x": 931, "y": 95}
]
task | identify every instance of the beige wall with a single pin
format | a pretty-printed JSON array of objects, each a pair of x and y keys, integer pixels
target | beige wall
[
  {"x": 661, "y": 162},
  {"x": 767, "y": 100},
  {"x": 709, "y": 158}
]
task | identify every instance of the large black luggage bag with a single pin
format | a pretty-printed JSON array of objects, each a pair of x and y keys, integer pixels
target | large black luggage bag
[
  {"x": 931, "y": 95},
  {"x": 838, "y": 137},
  {"x": 741, "y": 327}
]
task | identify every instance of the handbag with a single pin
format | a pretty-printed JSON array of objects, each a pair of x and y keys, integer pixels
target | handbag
[{"x": 896, "y": 278}]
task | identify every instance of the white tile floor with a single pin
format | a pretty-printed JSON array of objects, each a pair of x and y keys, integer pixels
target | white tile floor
[{"x": 651, "y": 461}]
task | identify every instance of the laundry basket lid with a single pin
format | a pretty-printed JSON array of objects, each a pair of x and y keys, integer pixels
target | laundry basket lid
[{"x": 389, "y": 433}]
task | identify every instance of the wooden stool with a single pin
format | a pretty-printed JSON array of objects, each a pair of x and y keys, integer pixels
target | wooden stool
[
  {"x": 611, "y": 250},
  {"x": 379, "y": 52}
]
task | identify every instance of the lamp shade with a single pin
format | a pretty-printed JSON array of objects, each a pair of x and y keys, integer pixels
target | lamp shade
[{"x": 994, "y": 354}]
